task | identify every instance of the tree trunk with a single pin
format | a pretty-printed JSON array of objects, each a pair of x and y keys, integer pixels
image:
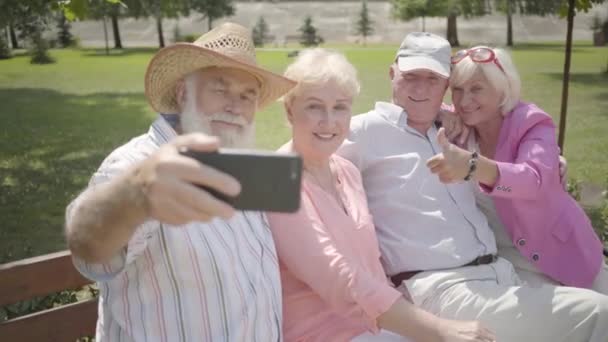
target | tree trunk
[
  {"x": 423, "y": 24},
  {"x": 116, "y": 30},
  {"x": 105, "y": 35},
  {"x": 14, "y": 41},
  {"x": 564, "y": 109},
  {"x": 159, "y": 28},
  {"x": 509, "y": 23},
  {"x": 209, "y": 23},
  {"x": 452, "y": 33}
]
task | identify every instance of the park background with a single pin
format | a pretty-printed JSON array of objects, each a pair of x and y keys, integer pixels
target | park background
[{"x": 72, "y": 91}]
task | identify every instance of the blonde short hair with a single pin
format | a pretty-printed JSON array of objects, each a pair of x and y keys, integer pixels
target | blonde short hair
[
  {"x": 319, "y": 66},
  {"x": 507, "y": 83}
]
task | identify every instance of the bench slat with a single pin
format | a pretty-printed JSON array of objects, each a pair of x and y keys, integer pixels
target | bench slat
[
  {"x": 38, "y": 276},
  {"x": 65, "y": 323}
]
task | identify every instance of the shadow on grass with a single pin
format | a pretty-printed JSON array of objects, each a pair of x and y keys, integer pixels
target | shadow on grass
[
  {"x": 50, "y": 145},
  {"x": 593, "y": 80},
  {"x": 582, "y": 47},
  {"x": 90, "y": 52}
]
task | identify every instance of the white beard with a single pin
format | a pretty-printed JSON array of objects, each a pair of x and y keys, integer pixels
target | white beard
[{"x": 195, "y": 122}]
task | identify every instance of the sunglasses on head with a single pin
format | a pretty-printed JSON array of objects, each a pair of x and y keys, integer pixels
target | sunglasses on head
[{"x": 477, "y": 55}]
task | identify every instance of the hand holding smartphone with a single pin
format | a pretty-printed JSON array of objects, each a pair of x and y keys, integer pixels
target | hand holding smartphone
[{"x": 270, "y": 181}]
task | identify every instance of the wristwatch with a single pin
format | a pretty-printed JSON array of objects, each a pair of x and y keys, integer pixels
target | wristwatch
[{"x": 472, "y": 165}]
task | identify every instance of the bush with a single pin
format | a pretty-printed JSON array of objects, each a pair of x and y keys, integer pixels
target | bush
[
  {"x": 260, "y": 32},
  {"x": 36, "y": 304},
  {"x": 309, "y": 34},
  {"x": 39, "y": 50}
]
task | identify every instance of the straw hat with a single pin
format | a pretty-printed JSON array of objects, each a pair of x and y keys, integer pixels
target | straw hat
[{"x": 228, "y": 45}]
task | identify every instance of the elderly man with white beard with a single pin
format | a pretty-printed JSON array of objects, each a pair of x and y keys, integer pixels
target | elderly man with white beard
[{"x": 174, "y": 263}]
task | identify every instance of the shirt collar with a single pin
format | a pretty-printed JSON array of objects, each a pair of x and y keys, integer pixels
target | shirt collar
[
  {"x": 161, "y": 131},
  {"x": 392, "y": 113}
]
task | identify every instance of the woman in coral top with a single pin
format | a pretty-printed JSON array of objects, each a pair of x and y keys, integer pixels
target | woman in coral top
[{"x": 334, "y": 287}]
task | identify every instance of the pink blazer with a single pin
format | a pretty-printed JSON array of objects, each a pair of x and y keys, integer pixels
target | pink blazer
[{"x": 544, "y": 222}]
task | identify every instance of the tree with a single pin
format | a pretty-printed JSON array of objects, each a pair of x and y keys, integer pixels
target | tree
[
  {"x": 525, "y": 7},
  {"x": 410, "y": 9},
  {"x": 114, "y": 14},
  {"x": 64, "y": 37},
  {"x": 158, "y": 9},
  {"x": 211, "y": 9},
  {"x": 309, "y": 34},
  {"x": 364, "y": 24},
  {"x": 13, "y": 35},
  {"x": 569, "y": 9},
  {"x": 31, "y": 18},
  {"x": 407, "y": 10},
  {"x": 5, "y": 50},
  {"x": 260, "y": 32}
]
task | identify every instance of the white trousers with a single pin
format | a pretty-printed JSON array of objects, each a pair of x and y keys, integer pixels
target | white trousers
[
  {"x": 534, "y": 278},
  {"x": 495, "y": 295}
]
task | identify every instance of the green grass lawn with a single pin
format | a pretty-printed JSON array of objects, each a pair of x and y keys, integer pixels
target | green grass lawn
[{"x": 60, "y": 120}]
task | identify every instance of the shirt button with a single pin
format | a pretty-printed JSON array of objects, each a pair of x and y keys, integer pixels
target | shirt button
[
  {"x": 521, "y": 242},
  {"x": 535, "y": 256}
]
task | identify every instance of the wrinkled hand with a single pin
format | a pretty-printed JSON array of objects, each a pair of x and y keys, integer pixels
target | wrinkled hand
[
  {"x": 455, "y": 129},
  {"x": 464, "y": 331},
  {"x": 167, "y": 181},
  {"x": 563, "y": 172},
  {"x": 453, "y": 164}
]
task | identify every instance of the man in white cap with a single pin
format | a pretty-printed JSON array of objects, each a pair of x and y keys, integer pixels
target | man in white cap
[
  {"x": 172, "y": 262},
  {"x": 436, "y": 244}
]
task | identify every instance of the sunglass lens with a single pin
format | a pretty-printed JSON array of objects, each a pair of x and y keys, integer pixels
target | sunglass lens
[{"x": 481, "y": 55}]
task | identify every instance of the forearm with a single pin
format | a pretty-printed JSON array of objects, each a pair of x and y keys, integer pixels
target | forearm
[
  {"x": 104, "y": 220},
  {"x": 487, "y": 171},
  {"x": 407, "y": 320}
]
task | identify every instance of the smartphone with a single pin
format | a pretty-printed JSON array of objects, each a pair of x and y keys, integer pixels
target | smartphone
[{"x": 270, "y": 181}]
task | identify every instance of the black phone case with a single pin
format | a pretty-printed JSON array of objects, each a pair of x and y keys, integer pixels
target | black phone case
[{"x": 269, "y": 181}]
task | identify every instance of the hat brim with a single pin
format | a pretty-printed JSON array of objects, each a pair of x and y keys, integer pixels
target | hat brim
[
  {"x": 172, "y": 63},
  {"x": 411, "y": 63}
]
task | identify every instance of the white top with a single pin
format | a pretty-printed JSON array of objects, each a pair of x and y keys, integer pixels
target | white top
[
  {"x": 197, "y": 282},
  {"x": 422, "y": 224}
]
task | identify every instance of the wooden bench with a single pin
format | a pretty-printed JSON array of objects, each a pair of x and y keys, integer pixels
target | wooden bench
[{"x": 39, "y": 276}]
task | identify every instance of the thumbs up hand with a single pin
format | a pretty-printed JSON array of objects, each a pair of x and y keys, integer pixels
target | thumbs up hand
[{"x": 452, "y": 166}]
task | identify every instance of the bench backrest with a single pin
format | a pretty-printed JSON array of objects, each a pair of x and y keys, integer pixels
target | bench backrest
[{"x": 39, "y": 276}]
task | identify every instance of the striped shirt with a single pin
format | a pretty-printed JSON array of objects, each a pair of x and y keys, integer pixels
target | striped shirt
[{"x": 216, "y": 281}]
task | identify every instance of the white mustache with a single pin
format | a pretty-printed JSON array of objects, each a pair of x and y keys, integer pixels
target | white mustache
[{"x": 229, "y": 118}]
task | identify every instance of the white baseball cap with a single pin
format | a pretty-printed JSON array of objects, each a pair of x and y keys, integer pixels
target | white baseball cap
[{"x": 423, "y": 50}]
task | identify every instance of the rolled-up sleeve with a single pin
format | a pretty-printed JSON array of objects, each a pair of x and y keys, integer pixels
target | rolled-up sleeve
[
  {"x": 114, "y": 165},
  {"x": 308, "y": 250},
  {"x": 536, "y": 165}
]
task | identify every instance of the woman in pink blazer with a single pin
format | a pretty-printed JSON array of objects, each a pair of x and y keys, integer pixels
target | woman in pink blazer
[{"x": 539, "y": 227}]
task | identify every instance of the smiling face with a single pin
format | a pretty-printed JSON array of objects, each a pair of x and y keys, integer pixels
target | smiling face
[
  {"x": 221, "y": 102},
  {"x": 476, "y": 100},
  {"x": 320, "y": 119},
  {"x": 420, "y": 92}
]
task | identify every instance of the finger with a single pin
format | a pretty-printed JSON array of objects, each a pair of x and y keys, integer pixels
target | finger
[
  {"x": 442, "y": 139},
  {"x": 196, "y": 142},
  {"x": 192, "y": 171},
  {"x": 437, "y": 169},
  {"x": 434, "y": 161},
  {"x": 199, "y": 200},
  {"x": 178, "y": 214},
  {"x": 455, "y": 130},
  {"x": 464, "y": 135}
]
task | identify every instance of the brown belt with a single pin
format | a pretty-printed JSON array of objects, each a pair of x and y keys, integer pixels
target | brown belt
[{"x": 398, "y": 278}]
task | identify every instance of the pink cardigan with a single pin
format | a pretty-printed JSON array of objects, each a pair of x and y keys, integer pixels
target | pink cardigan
[{"x": 544, "y": 222}]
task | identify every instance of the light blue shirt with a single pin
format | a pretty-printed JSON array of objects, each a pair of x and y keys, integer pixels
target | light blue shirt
[{"x": 421, "y": 223}]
